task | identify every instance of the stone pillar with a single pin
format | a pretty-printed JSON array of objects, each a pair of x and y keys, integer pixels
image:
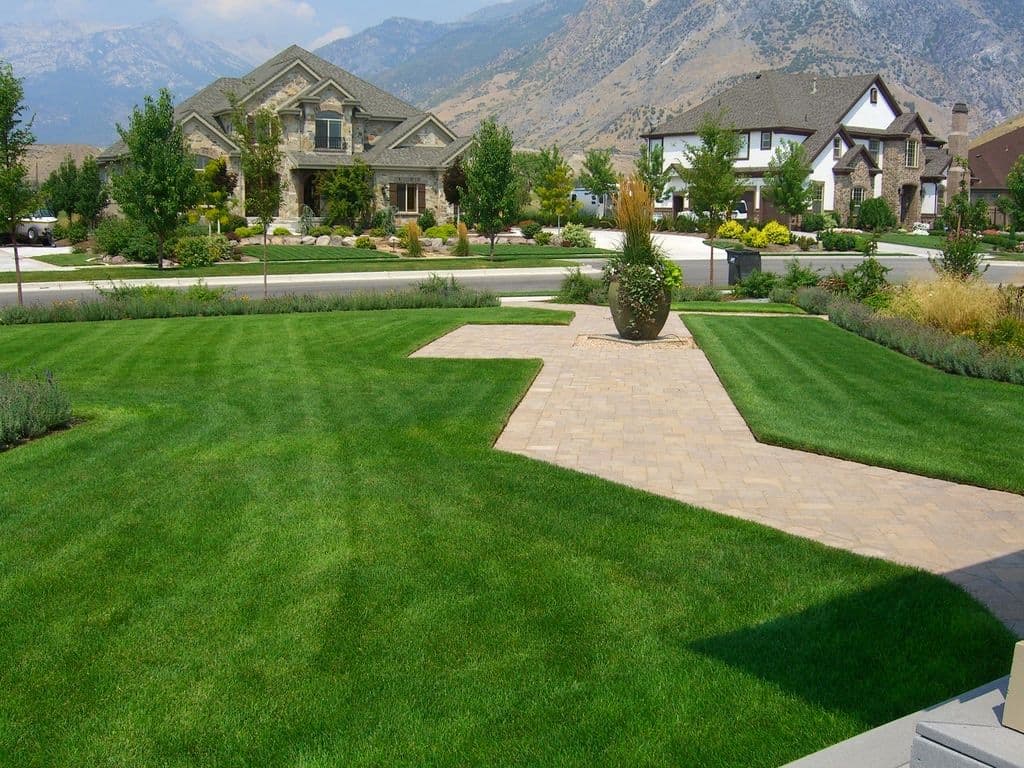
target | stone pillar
[{"x": 958, "y": 148}]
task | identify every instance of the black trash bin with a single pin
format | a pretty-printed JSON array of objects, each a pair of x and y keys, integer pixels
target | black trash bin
[{"x": 741, "y": 263}]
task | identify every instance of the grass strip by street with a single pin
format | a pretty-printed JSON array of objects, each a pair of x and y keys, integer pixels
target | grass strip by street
[
  {"x": 754, "y": 307},
  {"x": 279, "y": 540},
  {"x": 934, "y": 242},
  {"x": 315, "y": 253},
  {"x": 537, "y": 251},
  {"x": 103, "y": 274},
  {"x": 812, "y": 386},
  {"x": 67, "y": 259}
]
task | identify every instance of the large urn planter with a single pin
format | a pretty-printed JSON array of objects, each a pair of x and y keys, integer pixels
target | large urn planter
[{"x": 631, "y": 327}]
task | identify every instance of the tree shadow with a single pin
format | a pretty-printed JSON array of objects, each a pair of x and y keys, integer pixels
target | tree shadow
[{"x": 877, "y": 654}]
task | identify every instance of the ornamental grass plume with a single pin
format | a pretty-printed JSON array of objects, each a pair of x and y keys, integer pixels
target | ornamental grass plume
[
  {"x": 635, "y": 212},
  {"x": 412, "y": 239}
]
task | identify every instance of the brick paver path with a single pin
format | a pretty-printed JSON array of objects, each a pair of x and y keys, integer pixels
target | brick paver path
[{"x": 658, "y": 418}]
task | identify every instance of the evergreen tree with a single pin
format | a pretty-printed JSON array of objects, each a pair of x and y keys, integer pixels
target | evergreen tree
[
  {"x": 348, "y": 190},
  {"x": 454, "y": 181}
]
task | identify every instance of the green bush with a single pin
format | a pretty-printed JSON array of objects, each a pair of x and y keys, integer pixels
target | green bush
[
  {"x": 837, "y": 241},
  {"x": 875, "y": 215},
  {"x": 72, "y": 231},
  {"x": 781, "y": 294},
  {"x": 805, "y": 243},
  {"x": 542, "y": 238},
  {"x": 123, "y": 237},
  {"x": 427, "y": 220},
  {"x": 365, "y": 243},
  {"x": 813, "y": 300},
  {"x": 282, "y": 232},
  {"x": 960, "y": 256},
  {"x": 384, "y": 221},
  {"x": 1003, "y": 242},
  {"x": 140, "y": 302},
  {"x": 30, "y": 406},
  {"x": 576, "y": 236},
  {"x": 683, "y": 223},
  {"x": 799, "y": 276},
  {"x": 195, "y": 252},
  {"x": 696, "y": 293},
  {"x": 341, "y": 231},
  {"x": 530, "y": 229},
  {"x": 777, "y": 234},
  {"x": 232, "y": 222},
  {"x": 320, "y": 231},
  {"x": 756, "y": 285},
  {"x": 578, "y": 288},
  {"x": 816, "y": 222},
  {"x": 441, "y": 232}
]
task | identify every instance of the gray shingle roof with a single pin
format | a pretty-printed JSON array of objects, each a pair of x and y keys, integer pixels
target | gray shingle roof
[
  {"x": 803, "y": 102},
  {"x": 936, "y": 161},
  {"x": 848, "y": 162},
  {"x": 414, "y": 157}
]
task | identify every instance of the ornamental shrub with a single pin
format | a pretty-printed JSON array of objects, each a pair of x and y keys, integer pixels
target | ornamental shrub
[
  {"x": 697, "y": 293},
  {"x": 384, "y": 220},
  {"x": 837, "y": 241},
  {"x": 756, "y": 285},
  {"x": 731, "y": 230},
  {"x": 411, "y": 239},
  {"x": 799, "y": 276},
  {"x": 530, "y": 229},
  {"x": 542, "y": 238},
  {"x": 366, "y": 243},
  {"x": 576, "y": 236},
  {"x": 442, "y": 231},
  {"x": 341, "y": 231},
  {"x": 777, "y": 234},
  {"x": 754, "y": 238},
  {"x": 123, "y": 237},
  {"x": 30, "y": 406},
  {"x": 281, "y": 231},
  {"x": 813, "y": 300},
  {"x": 805, "y": 243},
  {"x": 320, "y": 230},
  {"x": 876, "y": 215},
  {"x": 194, "y": 252},
  {"x": 427, "y": 220},
  {"x": 684, "y": 224},
  {"x": 578, "y": 288},
  {"x": 813, "y": 222}
]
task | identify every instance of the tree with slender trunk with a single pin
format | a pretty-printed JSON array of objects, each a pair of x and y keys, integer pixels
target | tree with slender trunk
[
  {"x": 91, "y": 193},
  {"x": 554, "y": 185},
  {"x": 787, "y": 180},
  {"x": 453, "y": 181},
  {"x": 60, "y": 190},
  {"x": 259, "y": 138},
  {"x": 598, "y": 176},
  {"x": 16, "y": 194},
  {"x": 1015, "y": 195},
  {"x": 710, "y": 176},
  {"x": 491, "y": 194},
  {"x": 157, "y": 182},
  {"x": 650, "y": 167}
]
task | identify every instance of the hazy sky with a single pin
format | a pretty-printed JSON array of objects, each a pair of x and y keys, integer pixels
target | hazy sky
[{"x": 280, "y": 21}]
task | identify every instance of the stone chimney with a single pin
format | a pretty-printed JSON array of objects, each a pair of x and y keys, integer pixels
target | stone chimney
[{"x": 958, "y": 149}]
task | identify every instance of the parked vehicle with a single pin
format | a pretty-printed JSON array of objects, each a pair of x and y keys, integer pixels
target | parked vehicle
[
  {"x": 739, "y": 213},
  {"x": 37, "y": 228}
]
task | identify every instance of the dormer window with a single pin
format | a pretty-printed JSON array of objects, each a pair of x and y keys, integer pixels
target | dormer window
[
  {"x": 328, "y": 131},
  {"x": 874, "y": 96}
]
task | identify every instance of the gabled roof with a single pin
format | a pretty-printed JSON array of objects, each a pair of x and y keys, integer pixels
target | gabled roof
[
  {"x": 857, "y": 153},
  {"x": 992, "y": 155},
  {"x": 800, "y": 102},
  {"x": 936, "y": 163},
  {"x": 381, "y": 155}
]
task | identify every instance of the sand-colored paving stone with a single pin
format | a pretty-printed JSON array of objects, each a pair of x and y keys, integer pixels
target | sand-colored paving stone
[{"x": 657, "y": 418}]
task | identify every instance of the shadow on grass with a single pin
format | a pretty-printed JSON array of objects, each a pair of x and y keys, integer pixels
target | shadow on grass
[{"x": 877, "y": 654}]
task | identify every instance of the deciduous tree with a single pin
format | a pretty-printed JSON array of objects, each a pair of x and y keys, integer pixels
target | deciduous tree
[
  {"x": 490, "y": 196},
  {"x": 259, "y": 137},
  {"x": 1015, "y": 194},
  {"x": 555, "y": 185},
  {"x": 710, "y": 175},
  {"x": 650, "y": 166},
  {"x": 348, "y": 191},
  {"x": 787, "y": 180},
  {"x": 157, "y": 182},
  {"x": 598, "y": 176},
  {"x": 91, "y": 193},
  {"x": 60, "y": 190},
  {"x": 16, "y": 194}
]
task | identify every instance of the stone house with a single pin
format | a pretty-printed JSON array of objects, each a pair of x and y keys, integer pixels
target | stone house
[
  {"x": 859, "y": 140},
  {"x": 329, "y": 118}
]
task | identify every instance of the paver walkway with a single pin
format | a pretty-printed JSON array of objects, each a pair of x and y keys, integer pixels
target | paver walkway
[{"x": 658, "y": 418}]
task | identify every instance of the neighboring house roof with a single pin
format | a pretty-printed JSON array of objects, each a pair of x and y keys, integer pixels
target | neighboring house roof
[
  {"x": 992, "y": 155},
  {"x": 936, "y": 163},
  {"x": 214, "y": 100},
  {"x": 797, "y": 101}
]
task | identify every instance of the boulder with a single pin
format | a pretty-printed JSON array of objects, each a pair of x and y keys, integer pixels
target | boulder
[
  {"x": 433, "y": 242},
  {"x": 349, "y": 242},
  {"x": 337, "y": 240},
  {"x": 394, "y": 241},
  {"x": 308, "y": 240},
  {"x": 323, "y": 240},
  {"x": 291, "y": 240}
]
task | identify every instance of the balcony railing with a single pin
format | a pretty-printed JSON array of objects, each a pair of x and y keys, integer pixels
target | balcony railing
[{"x": 336, "y": 143}]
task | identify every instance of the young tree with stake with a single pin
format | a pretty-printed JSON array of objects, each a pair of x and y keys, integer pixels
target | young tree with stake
[
  {"x": 555, "y": 185},
  {"x": 787, "y": 180},
  {"x": 598, "y": 176},
  {"x": 491, "y": 194}
]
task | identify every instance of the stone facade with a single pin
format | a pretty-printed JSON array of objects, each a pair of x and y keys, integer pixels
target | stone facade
[
  {"x": 901, "y": 185},
  {"x": 431, "y": 181},
  {"x": 860, "y": 176}
]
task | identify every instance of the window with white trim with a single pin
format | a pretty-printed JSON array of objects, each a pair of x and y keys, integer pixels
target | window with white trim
[
  {"x": 766, "y": 140},
  {"x": 328, "y": 131},
  {"x": 912, "y": 153},
  {"x": 857, "y": 196},
  {"x": 837, "y": 148},
  {"x": 743, "y": 153},
  {"x": 874, "y": 95},
  {"x": 407, "y": 198},
  {"x": 817, "y": 196},
  {"x": 875, "y": 148}
]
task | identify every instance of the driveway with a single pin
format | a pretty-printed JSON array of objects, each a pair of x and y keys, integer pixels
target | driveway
[{"x": 29, "y": 264}]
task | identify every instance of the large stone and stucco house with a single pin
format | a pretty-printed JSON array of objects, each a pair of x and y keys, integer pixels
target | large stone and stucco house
[
  {"x": 329, "y": 118},
  {"x": 860, "y": 143}
]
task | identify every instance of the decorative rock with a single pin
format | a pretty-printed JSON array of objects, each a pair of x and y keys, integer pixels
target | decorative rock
[
  {"x": 308, "y": 240},
  {"x": 349, "y": 242},
  {"x": 337, "y": 240},
  {"x": 292, "y": 240},
  {"x": 394, "y": 240},
  {"x": 433, "y": 242},
  {"x": 323, "y": 240}
]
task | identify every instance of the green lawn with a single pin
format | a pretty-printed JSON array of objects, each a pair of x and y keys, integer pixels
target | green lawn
[
  {"x": 66, "y": 259},
  {"x": 935, "y": 242},
  {"x": 102, "y": 274},
  {"x": 536, "y": 251},
  {"x": 810, "y": 385},
  {"x": 765, "y": 308},
  {"x": 276, "y": 540},
  {"x": 314, "y": 253}
]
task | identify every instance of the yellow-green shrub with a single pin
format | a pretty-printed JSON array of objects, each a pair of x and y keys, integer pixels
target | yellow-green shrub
[
  {"x": 754, "y": 238},
  {"x": 776, "y": 233},
  {"x": 731, "y": 230},
  {"x": 411, "y": 235}
]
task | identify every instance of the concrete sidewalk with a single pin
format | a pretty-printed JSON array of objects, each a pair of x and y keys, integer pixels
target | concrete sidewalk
[{"x": 686, "y": 440}]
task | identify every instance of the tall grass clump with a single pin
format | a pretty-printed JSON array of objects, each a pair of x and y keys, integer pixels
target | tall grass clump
[
  {"x": 949, "y": 303},
  {"x": 411, "y": 234},
  {"x": 30, "y": 406},
  {"x": 461, "y": 247}
]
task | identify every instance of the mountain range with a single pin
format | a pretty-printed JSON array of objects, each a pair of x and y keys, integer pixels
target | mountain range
[
  {"x": 598, "y": 72},
  {"x": 578, "y": 72}
]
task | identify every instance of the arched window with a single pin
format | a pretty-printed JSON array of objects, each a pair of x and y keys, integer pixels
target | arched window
[
  {"x": 328, "y": 131},
  {"x": 874, "y": 95}
]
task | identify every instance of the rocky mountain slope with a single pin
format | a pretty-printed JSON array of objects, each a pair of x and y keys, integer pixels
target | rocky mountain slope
[
  {"x": 598, "y": 72},
  {"x": 79, "y": 81}
]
